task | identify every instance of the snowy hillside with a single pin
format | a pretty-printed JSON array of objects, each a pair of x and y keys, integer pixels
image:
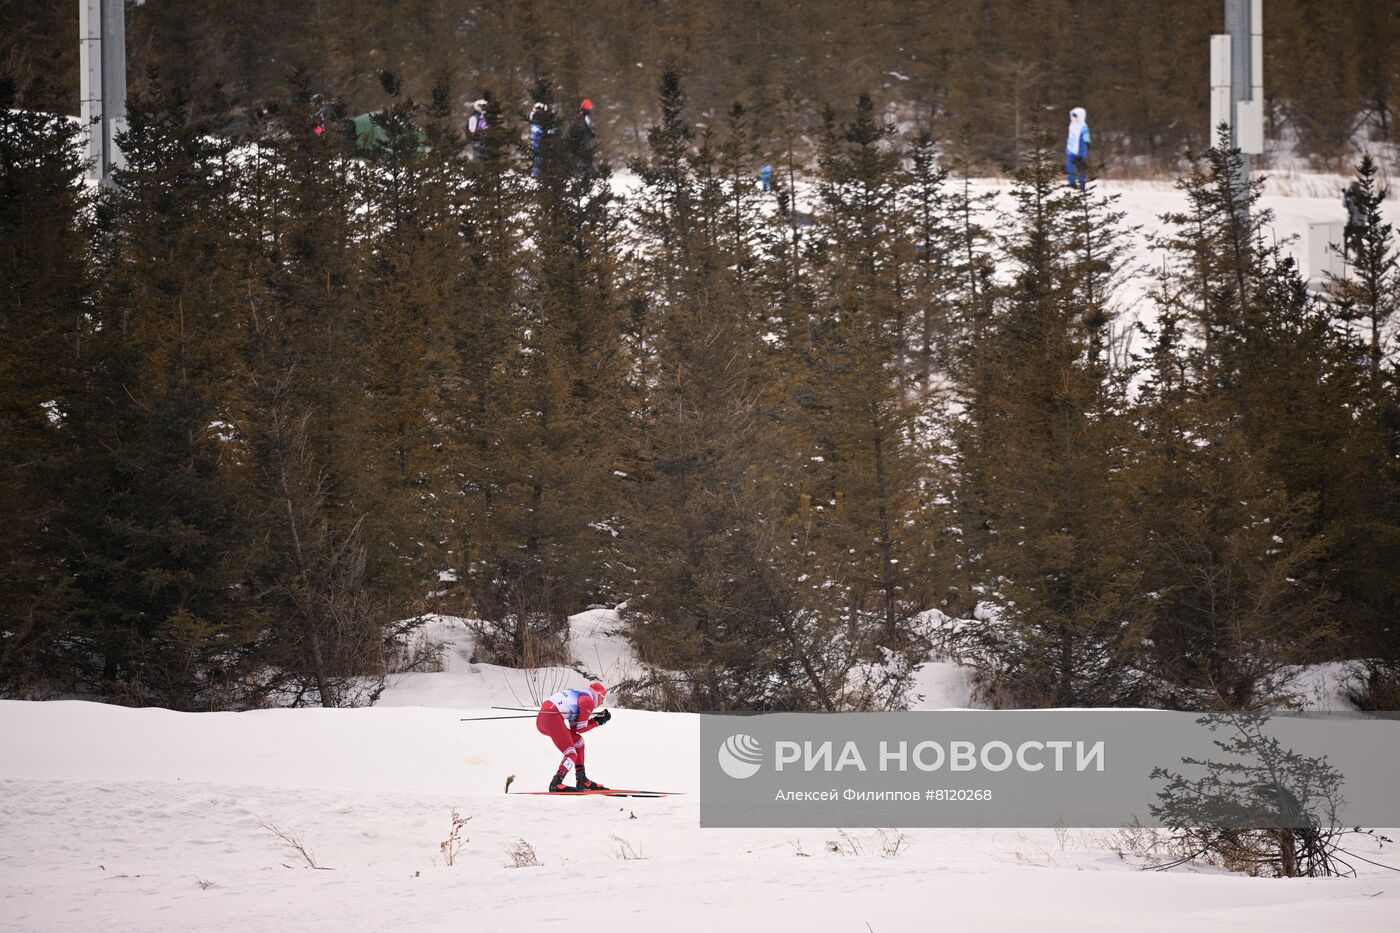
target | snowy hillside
[
  {"x": 126, "y": 819},
  {"x": 1296, "y": 199},
  {"x": 599, "y": 652}
]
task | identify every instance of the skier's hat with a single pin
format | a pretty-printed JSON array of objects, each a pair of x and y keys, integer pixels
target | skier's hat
[{"x": 599, "y": 690}]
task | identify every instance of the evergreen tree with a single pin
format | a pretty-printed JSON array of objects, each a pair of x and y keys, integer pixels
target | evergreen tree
[
  {"x": 1366, "y": 494},
  {"x": 408, "y": 257},
  {"x": 320, "y": 614},
  {"x": 868, "y": 457},
  {"x": 484, "y": 388},
  {"x": 973, "y": 374},
  {"x": 149, "y": 517},
  {"x": 1370, "y": 294},
  {"x": 1235, "y": 540},
  {"x": 554, "y": 510},
  {"x": 929, "y": 207},
  {"x": 44, "y": 288},
  {"x": 700, "y": 504},
  {"x": 1068, "y": 593}
]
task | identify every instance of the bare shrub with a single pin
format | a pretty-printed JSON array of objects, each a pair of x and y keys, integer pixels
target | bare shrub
[
  {"x": 845, "y": 845},
  {"x": 1022, "y": 856},
  {"x": 1375, "y": 687},
  {"x": 532, "y": 641},
  {"x": 293, "y": 845},
  {"x": 311, "y": 571},
  {"x": 1145, "y": 843},
  {"x": 890, "y": 842},
  {"x": 1266, "y": 810},
  {"x": 413, "y": 652},
  {"x": 450, "y": 846},
  {"x": 522, "y": 855},
  {"x": 521, "y": 628},
  {"x": 625, "y": 851}
]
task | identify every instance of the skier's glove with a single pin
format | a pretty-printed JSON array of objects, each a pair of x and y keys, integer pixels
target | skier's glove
[{"x": 601, "y": 718}]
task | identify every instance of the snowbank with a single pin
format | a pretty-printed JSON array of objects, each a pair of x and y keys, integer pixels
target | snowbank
[
  {"x": 146, "y": 819},
  {"x": 126, "y": 819},
  {"x": 598, "y": 653}
]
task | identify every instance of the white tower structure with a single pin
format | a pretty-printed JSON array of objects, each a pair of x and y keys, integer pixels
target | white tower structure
[{"x": 102, "y": 41}]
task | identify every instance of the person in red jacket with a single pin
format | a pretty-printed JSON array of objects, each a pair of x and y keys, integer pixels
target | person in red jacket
[{"x": 565, "y": 717}]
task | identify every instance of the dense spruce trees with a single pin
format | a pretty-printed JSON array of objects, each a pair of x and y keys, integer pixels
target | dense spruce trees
[
  {"x": 1046, "y": 442},
  {"x": 700, "y": 501},
  {"x": 1238, "y": 369},
  {"x": 264, "y": 404},
  {"x": 306, "y": 574},
  {"x": 150, "y": 507},
  {"x": 559, "y": 388},
  {"x": 44, "y": 287},
  {"x": 1366, "y": 508}
]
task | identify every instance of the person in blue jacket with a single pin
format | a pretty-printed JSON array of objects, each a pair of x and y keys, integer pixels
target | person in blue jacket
[
  {"x": 1077, "y": 147},
  {"x": 541, "y": 125}
]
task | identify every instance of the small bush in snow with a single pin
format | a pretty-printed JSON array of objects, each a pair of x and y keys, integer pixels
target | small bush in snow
[
  {"x": 293, "y": 845},
  {"x": 522, "y": 855},
  {"x": 1265, "y": 810},
  {"x": 625, "y": 851},
  {"x": 452, "y": 845}
]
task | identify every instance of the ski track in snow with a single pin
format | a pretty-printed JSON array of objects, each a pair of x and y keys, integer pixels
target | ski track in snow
[{"x": 120, "y": 819}]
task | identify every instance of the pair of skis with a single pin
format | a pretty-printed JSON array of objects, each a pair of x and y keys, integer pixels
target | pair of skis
[{"x": 610, "y": 792}]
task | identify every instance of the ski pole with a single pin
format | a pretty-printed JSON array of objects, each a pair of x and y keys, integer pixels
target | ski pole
[{"x": 488, "y": 718}]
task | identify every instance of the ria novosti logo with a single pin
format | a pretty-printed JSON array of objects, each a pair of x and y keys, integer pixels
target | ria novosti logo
[{"x": 741, "y": 756}]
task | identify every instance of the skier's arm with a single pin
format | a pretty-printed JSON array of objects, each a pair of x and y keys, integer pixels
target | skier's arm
[
  {"x": 586, "y": 705},
  {"x": 585, "y": 721}
]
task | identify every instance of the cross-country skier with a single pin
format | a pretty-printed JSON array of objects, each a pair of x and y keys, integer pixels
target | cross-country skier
[
  {"x": 1077, "y": 147},
  {"x": 564, "y": 717}
]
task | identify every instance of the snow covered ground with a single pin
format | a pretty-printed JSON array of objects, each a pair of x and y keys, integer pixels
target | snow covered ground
[{"x": 122, "y": 819}]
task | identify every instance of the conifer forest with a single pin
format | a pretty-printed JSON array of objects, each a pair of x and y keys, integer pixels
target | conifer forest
[{"x": 318, "y": 365}]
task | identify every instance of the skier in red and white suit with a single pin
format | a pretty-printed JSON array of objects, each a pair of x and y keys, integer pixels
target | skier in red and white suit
[{"x": 565, "y": 717}]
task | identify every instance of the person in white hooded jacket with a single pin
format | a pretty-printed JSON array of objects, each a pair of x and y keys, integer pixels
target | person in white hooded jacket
[{"x": 1077, "y": 147}]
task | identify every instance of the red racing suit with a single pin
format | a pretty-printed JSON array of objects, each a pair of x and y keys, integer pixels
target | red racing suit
[{"x": 565, "y": 717}]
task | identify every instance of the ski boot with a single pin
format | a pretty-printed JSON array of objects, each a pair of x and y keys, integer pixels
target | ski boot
[
  {"x": 583, "y": 783},
  {"x": 557, "y": 786}
]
